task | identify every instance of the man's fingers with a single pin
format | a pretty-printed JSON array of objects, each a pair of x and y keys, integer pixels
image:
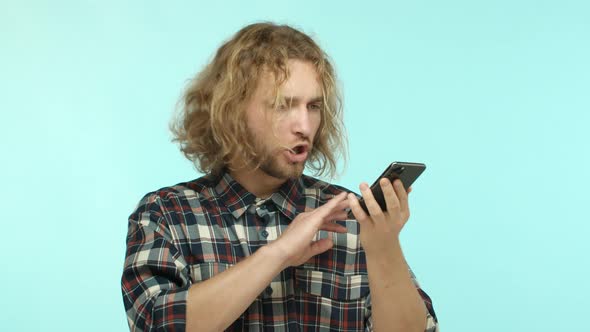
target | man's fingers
[
  {"x": 332, "y": 208},
  {"x": 401, "y": 195},
  {"x": 356, "y": 208},
  {"x": 319, "y": 246},
  {"x": 370, "y": 202},
  {"x": 341, "y": 206},
  {"x": 391, "y": 199},
  {"x": 333, "y": 204},
  {"x": 333, "y": 227},
  {"x": 337, "y": 215},
  {"x": 345, "y": 204},
  {"x": 329, "y": 221}
]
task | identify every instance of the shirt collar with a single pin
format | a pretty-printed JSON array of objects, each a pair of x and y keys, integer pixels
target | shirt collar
[{"x": 289, "y": 199}]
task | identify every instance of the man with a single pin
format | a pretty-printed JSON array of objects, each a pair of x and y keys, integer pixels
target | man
[{"x": 255, "y": 245}]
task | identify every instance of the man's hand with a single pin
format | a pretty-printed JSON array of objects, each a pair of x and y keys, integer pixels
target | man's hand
[
  {"x": 380, "y": 229},
  {"x": 397, "y": 306},
  {"x": 296, "y": 245}
]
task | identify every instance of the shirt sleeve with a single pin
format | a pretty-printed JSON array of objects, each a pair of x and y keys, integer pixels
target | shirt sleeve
[
  {"x": 155, "y": 279},
  {"x": 431, "y": 320}
]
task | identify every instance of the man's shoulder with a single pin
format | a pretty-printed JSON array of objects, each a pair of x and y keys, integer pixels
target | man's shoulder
[{"x": 202, "y": 187}]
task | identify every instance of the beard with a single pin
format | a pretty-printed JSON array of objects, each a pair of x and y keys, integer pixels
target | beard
[
  {"x": 272, "y": 163},
  {"x": 272, "y": 166}
]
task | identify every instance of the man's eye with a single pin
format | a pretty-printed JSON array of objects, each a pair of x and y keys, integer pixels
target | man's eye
[{"x": 315, "y": 107}]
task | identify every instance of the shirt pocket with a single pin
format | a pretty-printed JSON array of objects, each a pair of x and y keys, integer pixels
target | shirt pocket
[
  {"x": 330, "y": 301},
  {"x": 331, "y": 285},
  {"x": 206, "y": 270}
]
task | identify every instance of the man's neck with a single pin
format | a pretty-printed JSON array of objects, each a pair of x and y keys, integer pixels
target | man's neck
[{"x": 258, "y": 182}]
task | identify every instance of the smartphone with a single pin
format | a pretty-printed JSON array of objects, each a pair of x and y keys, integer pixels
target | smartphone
[{"x": 406, "y": 172}]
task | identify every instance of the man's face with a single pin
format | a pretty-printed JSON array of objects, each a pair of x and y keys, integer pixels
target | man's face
[{"x": 284, "y": 131}]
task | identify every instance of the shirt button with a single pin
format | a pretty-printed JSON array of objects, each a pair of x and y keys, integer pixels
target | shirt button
[
  {"x": 264, "y": 233},
  {"x": 268, "y": 290}
]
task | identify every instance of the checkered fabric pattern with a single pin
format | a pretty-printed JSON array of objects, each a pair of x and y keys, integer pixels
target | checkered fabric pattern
[{"x": 190, "y": 232}]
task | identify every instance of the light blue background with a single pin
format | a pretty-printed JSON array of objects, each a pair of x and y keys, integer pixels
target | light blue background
[{"x": 492, "y": 96}]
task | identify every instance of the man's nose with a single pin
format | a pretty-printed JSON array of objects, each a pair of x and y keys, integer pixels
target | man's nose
[{"x": 301, "y": 121}]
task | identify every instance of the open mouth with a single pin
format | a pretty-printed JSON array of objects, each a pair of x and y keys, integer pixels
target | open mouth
[
  {"x": 298, "y": 153},
  {"x": 299, "y": 149}
]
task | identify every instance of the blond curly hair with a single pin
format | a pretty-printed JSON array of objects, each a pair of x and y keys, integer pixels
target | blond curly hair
[{"x": 211, "y": 126}]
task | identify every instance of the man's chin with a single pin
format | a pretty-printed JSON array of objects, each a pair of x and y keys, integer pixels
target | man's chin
[
  {"x": 297, "y": 171},
  {"x": 284, "y": 172}
]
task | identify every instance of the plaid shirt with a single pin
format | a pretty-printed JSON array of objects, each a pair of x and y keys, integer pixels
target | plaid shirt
[{"x": 190, "y": 232}]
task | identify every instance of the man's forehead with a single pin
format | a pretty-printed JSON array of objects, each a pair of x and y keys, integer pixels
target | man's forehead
[{"x": 270, "y": 86}]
